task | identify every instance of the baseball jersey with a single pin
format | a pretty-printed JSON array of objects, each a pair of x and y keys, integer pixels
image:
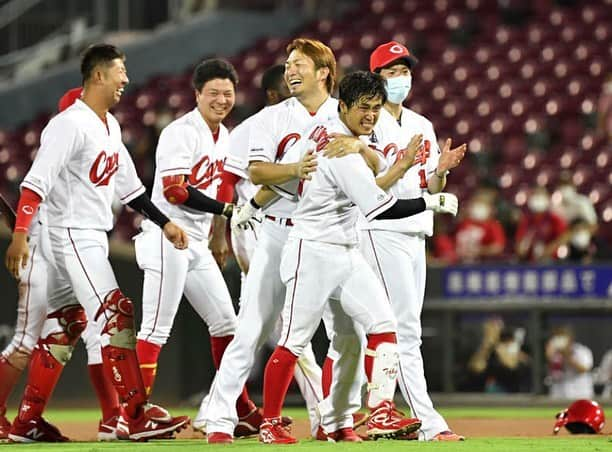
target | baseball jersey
[
  {"x": 391, "y": 137},
  {"x": 80, "y": 165},
  {"x": 186, "y": 146},
  {"x": 237, "y": 160},
  {"x": 341, "y": 190},
  {"x": 275, "y": 129}
]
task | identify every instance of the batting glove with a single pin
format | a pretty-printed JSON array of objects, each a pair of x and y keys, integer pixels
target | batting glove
[
  {"x": 441, "y": 203},
  {"x": 242, "y": 216}
]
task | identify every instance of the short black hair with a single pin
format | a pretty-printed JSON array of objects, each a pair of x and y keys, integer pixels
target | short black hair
[
  {"x": 98, "y": 54},
  {"x": 212, "y": 69},
  {"x": 273, "y": 77},
  {"x": 359, "y": 84}
]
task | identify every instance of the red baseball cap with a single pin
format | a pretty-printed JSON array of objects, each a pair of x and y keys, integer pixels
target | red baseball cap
[
  {"x": 388, "y": 53},
  {"x": 69, "y": 98}
]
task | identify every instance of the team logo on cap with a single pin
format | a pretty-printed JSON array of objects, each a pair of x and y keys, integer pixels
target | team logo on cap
[{"x": 396, "y": 48}]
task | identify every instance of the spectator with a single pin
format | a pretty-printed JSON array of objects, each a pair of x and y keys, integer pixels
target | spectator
[
  {"x": 569, "y": 366},
  {"x": 500, "y": 363},
  {"x": 479, "y": 236},
  {"x": 571, "y": 205},
  {"x": 581, "y": 248},
  {"x": 540, "y": 231}
]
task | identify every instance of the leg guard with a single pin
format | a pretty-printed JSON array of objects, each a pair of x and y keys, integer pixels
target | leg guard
[
  {"x": 119, "y": 356},
  {"x": 382, "y": 360},
  {"x": 49, "y": 358}
]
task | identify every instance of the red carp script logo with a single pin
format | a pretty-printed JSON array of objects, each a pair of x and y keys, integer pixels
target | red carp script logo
[
  {"x": 205, "y": 172},
  {"x": 103, "y": 168}
]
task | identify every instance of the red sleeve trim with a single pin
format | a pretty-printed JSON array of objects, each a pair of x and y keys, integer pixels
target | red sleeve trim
[{"x": 26, "y": 209}]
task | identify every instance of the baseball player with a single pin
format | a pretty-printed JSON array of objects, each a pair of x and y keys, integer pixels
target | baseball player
[
  {"x": 321, "y": 260},
  {"x": 309, "y": 72},
  {"x": 235, "y": 174},
  {"x": 189, "y": 158},
  {"x": 79, "y": 167},
  {"x": 32, "y": 320},
  {"x": 395, "y": 249}
]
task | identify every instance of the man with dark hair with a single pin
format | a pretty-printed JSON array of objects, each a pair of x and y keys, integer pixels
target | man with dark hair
[
  {"x": 80, "y": 166},
  {"x": 321, "y": 261},
  {"x": 189, "y": 157}
]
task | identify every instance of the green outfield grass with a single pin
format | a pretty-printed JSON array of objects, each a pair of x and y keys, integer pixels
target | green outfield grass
[{"x": 578, "y": 443}]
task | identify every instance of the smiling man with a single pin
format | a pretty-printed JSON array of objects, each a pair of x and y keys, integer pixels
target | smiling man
[
  {"x": 189, "y": 159},
  {"x": 80, "y": 166}
]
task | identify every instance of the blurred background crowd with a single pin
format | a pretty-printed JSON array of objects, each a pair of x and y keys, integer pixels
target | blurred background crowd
[{"x": 527, "y": 85}]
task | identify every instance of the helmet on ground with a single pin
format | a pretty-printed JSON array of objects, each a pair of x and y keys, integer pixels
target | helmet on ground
[{"x": 582, "y": 416}]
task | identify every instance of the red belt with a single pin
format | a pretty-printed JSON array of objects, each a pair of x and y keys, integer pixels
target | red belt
[{"x": 282, "y": 221}]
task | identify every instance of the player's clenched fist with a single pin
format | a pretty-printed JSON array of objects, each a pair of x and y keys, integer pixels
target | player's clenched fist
[
  {"x": 176, "y": 235},
  {"x": 441, "y": 203},
  {"x": 17, "y": 253}
]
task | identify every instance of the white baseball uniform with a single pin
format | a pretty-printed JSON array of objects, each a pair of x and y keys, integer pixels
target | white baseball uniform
[
  {"x": 570, "y": 384},
  {"x": 307, "y": 372},
  {"x": 322, "y": 260},
  {"x": 272, "y": 131},
  {"x": 80, "y": 165},
  {"x": 186, "y": 147},
  {"x": 395, "y": 249}
]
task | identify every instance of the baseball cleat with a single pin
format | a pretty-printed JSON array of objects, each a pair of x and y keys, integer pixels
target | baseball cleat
[
  {"x": 35, "y": 430},
  {"x": 5, "y": 427},
  {"x": 272, "y": 431},
  {"x": 249, "y": 425},
  {"x": 344, "y": 434},
  {"x": 143, "y": 428},
  {"x": 107, "y": 430},
  {"x": 219, "y": 438},
  {"x": 157, "y": 413},
  {"x": 359, "y": 419},
  {"x": 447, "y": 435},
  {"x": 387, "y": 422}
]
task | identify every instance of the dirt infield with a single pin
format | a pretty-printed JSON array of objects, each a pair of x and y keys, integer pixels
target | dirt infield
[{"x": 471, "y": 428}]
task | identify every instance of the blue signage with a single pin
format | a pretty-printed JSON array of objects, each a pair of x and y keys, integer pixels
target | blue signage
[{"x": 542, "y": 281}]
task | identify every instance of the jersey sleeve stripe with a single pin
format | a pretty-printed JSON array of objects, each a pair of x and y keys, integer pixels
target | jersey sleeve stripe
[
  {"x": 35, "y": 188},
  {"x": 386, "y": 204},
  {"x": 132, "y": 195}
]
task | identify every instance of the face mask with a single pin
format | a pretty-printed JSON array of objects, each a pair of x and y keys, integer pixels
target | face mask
[
  {"x": 538, "y": 203},
  {"x": 581, "y": 239},
  {"x": 398, "y": 88},
  {"x": 480, "y": 211}
]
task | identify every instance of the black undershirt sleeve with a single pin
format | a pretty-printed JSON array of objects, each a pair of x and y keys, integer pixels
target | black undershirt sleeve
[
  {"x": 199, "y": 201},
  {"x": 402, "y": 208},
  {"x": 143, "y": 205}
]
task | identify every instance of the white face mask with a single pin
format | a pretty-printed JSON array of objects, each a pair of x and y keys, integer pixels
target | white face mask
[
  {"x": 398, "y": 88},
  {"x": 538, "y": 203},
  {"x": 480, "y": 211},
  {"x": 581, "y": 239}
]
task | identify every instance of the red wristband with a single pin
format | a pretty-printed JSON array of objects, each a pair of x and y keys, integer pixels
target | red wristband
[{"x": 26, "y": 209}]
